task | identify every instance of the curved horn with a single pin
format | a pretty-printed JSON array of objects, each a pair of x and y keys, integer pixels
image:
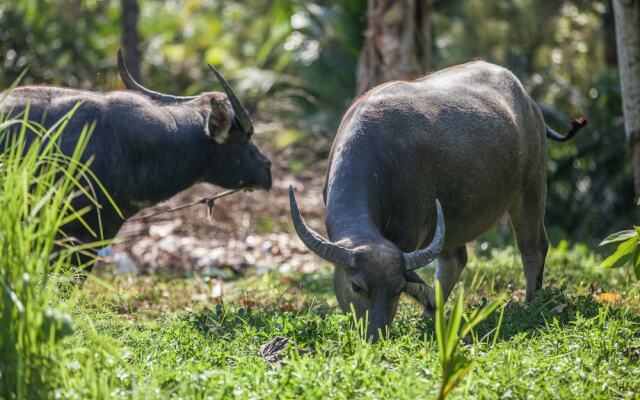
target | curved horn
[
  {"x": 131, "y": 84},
  {"x": 420, "y": 258},
  {"x": 241, "y": 113},
  {"x": 321, "y": 247}
]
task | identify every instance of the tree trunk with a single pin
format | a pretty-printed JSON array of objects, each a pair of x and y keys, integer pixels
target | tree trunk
[
  {"x": 397, "y": 42},
  {"x": 627, "y": 16},
  {"x": 609, "y": 30},
  {"x": 130, "y": 37}
]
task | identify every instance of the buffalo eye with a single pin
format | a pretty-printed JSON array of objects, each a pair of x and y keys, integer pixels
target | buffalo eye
[{"x": 357, "y": 289}]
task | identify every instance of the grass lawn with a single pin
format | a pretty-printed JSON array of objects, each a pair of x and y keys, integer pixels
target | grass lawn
[{"x": 158, "y": 337}]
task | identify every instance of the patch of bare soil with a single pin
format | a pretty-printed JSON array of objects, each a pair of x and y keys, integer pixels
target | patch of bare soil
[{"x": 246, "y": 229}]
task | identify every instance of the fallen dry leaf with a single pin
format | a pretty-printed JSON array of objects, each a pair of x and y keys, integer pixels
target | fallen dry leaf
[
  {"x": 217, "y": 289},
  {"x": 559, "y": 308},
  {"x": 249, "y": 303},
  {"x": 607, "y": 297},
  {"x": 633, "y": 352},
  {"x": 273, "y": 351}
]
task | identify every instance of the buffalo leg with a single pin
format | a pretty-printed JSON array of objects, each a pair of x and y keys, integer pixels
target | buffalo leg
[
  {"x": 527, "y": 219},
  {"x": 449, "y": 265}
]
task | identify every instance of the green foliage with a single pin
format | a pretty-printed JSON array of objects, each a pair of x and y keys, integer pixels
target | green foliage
[
  {"x": 279, "y": 55},
  {"x": 62, "y": 42},
  {"x": 627, "y": 252},
  {"x": 37, "y": 185},
  {"x": 454, "y": 364},
  {"x": 563, "y": 345}
]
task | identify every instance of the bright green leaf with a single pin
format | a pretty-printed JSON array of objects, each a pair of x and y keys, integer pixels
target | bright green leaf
[
  {"x": 622, "y": 255},
  {"x": 636, "y": 263},
  {"x": 620, "y": 236}
]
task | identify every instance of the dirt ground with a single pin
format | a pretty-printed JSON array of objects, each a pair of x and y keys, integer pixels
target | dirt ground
[{"x": 246, "y": 229}]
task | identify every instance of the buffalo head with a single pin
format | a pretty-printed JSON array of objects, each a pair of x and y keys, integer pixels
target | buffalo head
[
  {"x": 371, "y": 276},
  {"x": 235, "y": 161}
]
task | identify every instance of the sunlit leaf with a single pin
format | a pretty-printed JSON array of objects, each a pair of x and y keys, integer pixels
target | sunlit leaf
[
  {"x": 636, "y": 262},
  {"x": 619, "y": 236},
  {"x": 622, "y": 255}
]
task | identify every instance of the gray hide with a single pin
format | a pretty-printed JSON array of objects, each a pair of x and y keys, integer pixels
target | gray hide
[{"x": 468, "y": 136}]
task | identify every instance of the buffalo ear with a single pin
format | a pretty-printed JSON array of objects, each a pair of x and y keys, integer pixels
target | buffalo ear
[{"x": 218, "y": 122}]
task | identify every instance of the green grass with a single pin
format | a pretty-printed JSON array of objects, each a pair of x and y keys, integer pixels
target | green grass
[
  {"x": 170, "y": 338},
  {"x": 33, "y": 211},
  {"x": 37, "y": 186}
]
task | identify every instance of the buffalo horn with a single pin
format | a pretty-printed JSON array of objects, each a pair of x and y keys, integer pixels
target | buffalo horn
[
  {"x": 321, "y": 247},
  {"x": 131, "y": 84},
  {"x": 241, "y": 113},
  {"x": 421, "y": 258}
]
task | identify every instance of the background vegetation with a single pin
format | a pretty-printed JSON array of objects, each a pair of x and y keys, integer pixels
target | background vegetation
[
  {"x": 37, "y": 184},
  {"x": 294, "y": 62}
]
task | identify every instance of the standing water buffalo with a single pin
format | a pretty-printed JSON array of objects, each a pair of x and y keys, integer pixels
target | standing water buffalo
[
  {"x": 148, "y": 146},
  {"x": 468, "y": 137}
]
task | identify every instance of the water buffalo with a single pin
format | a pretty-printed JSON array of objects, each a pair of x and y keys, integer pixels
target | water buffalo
[
  {"x": 467, "y": 137},
  {"x": 148, "y": 146}
]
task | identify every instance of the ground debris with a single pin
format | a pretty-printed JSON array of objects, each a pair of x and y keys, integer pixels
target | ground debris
[
  {"x": 633, "y": 352},
  {"x": 275, "y": 349},
  {"x": 559, "y": 308},
  {"x": 248, "y": 230},
  {"x": 606, "y": 297}
]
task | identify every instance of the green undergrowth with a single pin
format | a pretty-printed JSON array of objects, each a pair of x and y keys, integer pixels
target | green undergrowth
[
  {"x": 189, "y": 338},
  {"x": 38, "y": 186}
]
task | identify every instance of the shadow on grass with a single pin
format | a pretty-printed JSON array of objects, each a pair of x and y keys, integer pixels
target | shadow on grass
[
  {"x": 226, "y": 322},
  {"x": 552, "y": 306},
  {"x": 310, "y": 323}
]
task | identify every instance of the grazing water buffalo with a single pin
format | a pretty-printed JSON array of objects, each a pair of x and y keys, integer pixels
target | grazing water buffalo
[
  {"x": 148, "y": 146},
  {"x": 463, "y": 145}
]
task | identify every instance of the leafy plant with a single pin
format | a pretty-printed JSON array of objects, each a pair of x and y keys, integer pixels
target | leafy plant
[
  {"x": 627, "y": 252},
  {"x": 456, "y": 365},
  {"x": 37, "y": 185}
]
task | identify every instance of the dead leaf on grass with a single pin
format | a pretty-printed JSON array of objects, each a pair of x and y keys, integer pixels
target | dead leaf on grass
[
  {"x": 274, "y": 350},
  {"x": 249, "y": 303},
  {"x": 633, "y": 352},
  {"x": 559, "y": 308},
  {"x": 608, "y": 297}
]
